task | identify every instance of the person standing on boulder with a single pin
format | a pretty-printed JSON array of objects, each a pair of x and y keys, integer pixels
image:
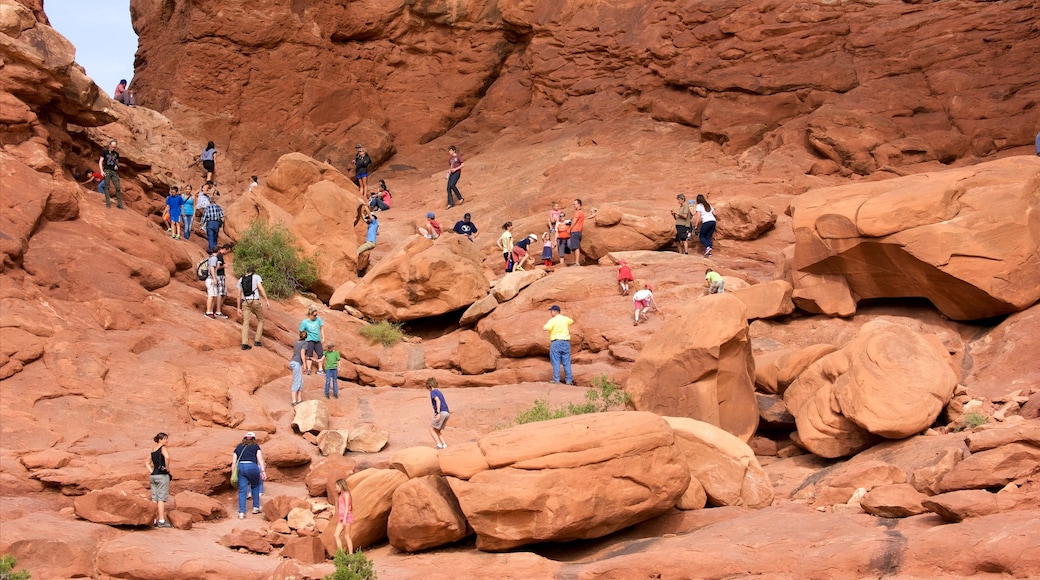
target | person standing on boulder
[
  {"x": 216, "y": 283},
  {"x": 296, "y": 366},
  {"x": 250, "y": 289},
  {"x": 559, "y": 327},
  {"x": 187, "y": 211},
  {"x": 577, "y": 228},
  {"x": 455, "y": 164},
  {"x": 109, "y": 164},
  {"x": 314, "y": 327},
  {"x": 212, "y": 220},
  {"x": 440, "y": 412},
  {"x": 563, "y": 238},
  {"x": 705, "y": 224},
  {"x": 361, "y": 162},
  {"x": 159, "y": 477},
  {"x": 683, "y": 225},
  {"x": 344, "y": 515},
  {"x": 252, "y": 471},
  {"x": 505, "y": 243}
]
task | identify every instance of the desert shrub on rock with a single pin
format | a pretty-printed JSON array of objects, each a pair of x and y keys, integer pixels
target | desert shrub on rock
[
  {"x": 355, "y": 566},
  {"x": 271, "y": 249},
  {"x": 604, "y": 396}
]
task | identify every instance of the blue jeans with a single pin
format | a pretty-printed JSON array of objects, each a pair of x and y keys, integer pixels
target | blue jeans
[
  {"x": 212, "y": 231},
  {"x": 297, "y": 376},
  {"x": 186, "y": 220},
  {"x": 560, "y": 351},
  {"x": 248, "y": 477},
  {"x": 453, "y": 181},
  {"x": 332, "y": 376},
  {"x": 707, "y": 231}
]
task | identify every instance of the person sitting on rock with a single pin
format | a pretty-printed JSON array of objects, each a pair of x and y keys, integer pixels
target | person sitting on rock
[
  {"x": 432, "y": 231},
  {"x": 122, "y": 95},
  {"x": 380, "y": 200},
  {"x": 465, "y": 227}
]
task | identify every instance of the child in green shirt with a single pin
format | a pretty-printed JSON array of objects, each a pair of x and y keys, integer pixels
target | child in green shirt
[{"x": 331, "y": 360}]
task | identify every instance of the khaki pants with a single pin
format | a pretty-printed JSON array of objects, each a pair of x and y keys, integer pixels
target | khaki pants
[{"x": 252, "y": 307}]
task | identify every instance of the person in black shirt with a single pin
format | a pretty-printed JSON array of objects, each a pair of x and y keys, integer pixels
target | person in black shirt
[
  {"x": 466, "y": 228},
  {"x": 159, "y": 477},
  {"x": 109, "y": 165},
  {"x": 361, "y": 162}
]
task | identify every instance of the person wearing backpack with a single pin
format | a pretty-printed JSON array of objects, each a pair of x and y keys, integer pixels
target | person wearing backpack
[
  {"x": 250, "y": 290},
  {"x": 216, "y": 284}
]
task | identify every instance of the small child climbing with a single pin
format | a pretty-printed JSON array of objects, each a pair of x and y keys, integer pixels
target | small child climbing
[
  {"x": 642, "y": 301},
  {"x": 440, "y": 412},
  {"x": 624, "y": 276},
  {"x": 714, "y": 282}
]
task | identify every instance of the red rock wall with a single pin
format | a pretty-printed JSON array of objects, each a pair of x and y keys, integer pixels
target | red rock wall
[{"x": 865, "y": 84}]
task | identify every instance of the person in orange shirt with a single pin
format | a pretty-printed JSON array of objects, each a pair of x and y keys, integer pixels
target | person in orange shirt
[
  {"x": 577, "y": 228},
  {"x": 563, "y": 237}
]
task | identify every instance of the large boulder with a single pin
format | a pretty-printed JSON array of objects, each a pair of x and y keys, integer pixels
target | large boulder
[
  {"x": 574, "y": 478},
  {"x": 703, "y": 371},
  {"x": 767, "y": 300},
  {"x": 724, "y": 465},
  {"x": 743, "y": 218},
  {"x": 371, "y": 492},
  {"x": 425, "y": 515},
  {"x": 310, "y": 417},
  {"x": 421, "y": 278},
  {"x": 965, "y": 239},
  {"x": 317, "y": 204},
  {"x": 625, "y": 226},
  {"x": 888, "y": 382},
  {"x": 121, "y": 505}
]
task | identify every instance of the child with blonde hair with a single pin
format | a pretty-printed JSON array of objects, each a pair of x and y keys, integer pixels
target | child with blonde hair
[
  {"x": 547, "y": 250},
  {"x": 344, "y": 515}
]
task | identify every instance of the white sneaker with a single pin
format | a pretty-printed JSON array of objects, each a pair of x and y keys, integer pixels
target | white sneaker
[
  {"x": 256, "y": 510},
  {"x": 241, "y": 515}
]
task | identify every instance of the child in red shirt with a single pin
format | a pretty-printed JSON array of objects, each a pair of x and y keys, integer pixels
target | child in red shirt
[{"x": 624, "y": 276}]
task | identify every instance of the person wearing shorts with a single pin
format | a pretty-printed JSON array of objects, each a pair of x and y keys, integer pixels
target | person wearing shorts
[
  {"x": 315, "y": 329},
  {"x": 642, "y": 301},
  {"x": 216, "y": 283},
  {"x": 361, "y": 162},
  {"x": 577, "y": 227},
  {"x": 158, "y": 465},
  {"x": 683, "y": 225},
  {"x": 440, "y": 413}
]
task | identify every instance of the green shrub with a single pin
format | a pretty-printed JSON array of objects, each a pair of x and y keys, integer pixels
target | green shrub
[
  {"x": 604, "y": 395},
  {"x": 354, "y": 566},
  {"x": 272, "y": 250},
  {"x": 387, "y": 333},
  {"x": 7, "y": 564},
  {"x": 973, "y": 419}
]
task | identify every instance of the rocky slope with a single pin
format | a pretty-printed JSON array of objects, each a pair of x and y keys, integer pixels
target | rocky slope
[{"x": 102, "y": 340}]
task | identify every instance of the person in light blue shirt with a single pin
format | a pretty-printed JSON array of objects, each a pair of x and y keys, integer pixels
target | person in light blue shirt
[{"x": 370, "y": 237}]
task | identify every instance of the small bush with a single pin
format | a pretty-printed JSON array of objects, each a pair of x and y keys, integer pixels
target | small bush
[
  {"x": 387, "y": 333},
  {"x": 7, "y": 564},
  {"x": 973, "y": 419},
  {"x": 272, "y": 250},
  {"x": 354, "y": 566},
  {"x": 604, "y": 395}
]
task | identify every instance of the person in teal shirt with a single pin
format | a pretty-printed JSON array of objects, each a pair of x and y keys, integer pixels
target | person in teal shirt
[
  {"x": 315, "y": 329},
  {"x": 332, "y": 370}
]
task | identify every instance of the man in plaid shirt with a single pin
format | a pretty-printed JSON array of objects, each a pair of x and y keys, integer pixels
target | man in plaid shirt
[{"x": 213, "y": 219}]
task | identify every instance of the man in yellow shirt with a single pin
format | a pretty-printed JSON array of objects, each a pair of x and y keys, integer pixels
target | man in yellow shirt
[{"x": 560, "y": 344}]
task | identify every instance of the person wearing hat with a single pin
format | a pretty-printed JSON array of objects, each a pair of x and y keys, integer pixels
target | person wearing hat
[
  {"x": 432, "y": 231},
  {"x": 520, "y": 252},
  {"x": 370, "y": 235},
  {"x": 642, "y": 301},
  {"x": 559, "y": 327},
  {"x": 249, "y": 460},
  {"x": 361, "y": 163},
  {"x": 465, "y": 227}
]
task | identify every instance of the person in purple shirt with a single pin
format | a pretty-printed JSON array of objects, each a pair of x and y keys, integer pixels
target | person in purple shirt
[{"x": 440, "y": 412}]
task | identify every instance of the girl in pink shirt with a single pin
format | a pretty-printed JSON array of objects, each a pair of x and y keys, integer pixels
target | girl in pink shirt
[{"x": 344, "y": 515}]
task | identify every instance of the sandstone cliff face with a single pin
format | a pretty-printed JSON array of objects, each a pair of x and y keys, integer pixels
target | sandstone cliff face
[{"x": 852, "y": 87}]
